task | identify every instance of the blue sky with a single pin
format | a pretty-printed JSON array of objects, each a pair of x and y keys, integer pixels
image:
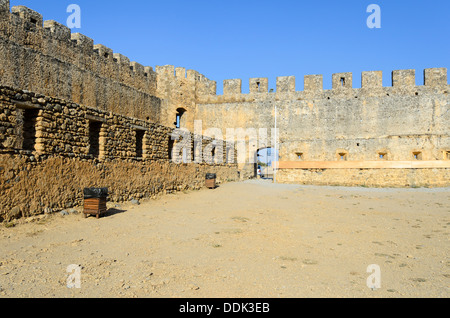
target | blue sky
[{"x": 249, "y": 38}]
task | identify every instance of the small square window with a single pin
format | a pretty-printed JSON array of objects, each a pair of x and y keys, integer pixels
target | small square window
[
  {"x": 95, "y": 128},
  {"x": 29, "y": 122},
  {"x": 299, "y": 155},
  {"x": 382, "y": 156},
  {"x": 140, "y": 143},
  {"x": 417, "y": 155},
  {"x": 447, "y": 155},
  {"x": 343, "y": 156}
]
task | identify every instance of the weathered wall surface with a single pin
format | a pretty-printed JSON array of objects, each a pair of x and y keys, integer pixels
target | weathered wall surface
[
  {"x": 46, "y": 58},
  {"x": 47, "y": 74},
  {"x": 392, "y": 178},
  {"x": 179, "y": 89},
  {"x": 363, "y": 122},
  {"x": 64, "y": 128},
  {"x": 51, "y": 149},
  {"x": 30, "y": 188},
  {"x": 398, "y": 123}
]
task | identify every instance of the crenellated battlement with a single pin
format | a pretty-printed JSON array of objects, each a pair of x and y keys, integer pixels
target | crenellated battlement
[
  {"x": 56, "y": 52},
  {"x": 180, "y": 76},
  {"x": 58, "y": 30},
  {"x": 48, "y": 76},
  {"x": 180, "y": 89},
  {"x": 342, "y": 83},
  {"x": 82, "y": 42},
  {"x": 47, "y": 58},
  {"x": 28, "y": 15},
  {"x": 59, "y": 63},
  {"x": 4, "y": 6}
]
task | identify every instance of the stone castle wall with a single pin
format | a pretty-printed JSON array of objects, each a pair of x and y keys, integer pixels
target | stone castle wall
[
  {"x": 403, "y": 122},
  {"x": 179, "y": 89},
  {"x": 52, "y": 145},
  {"x": 378, "y": 178},
  {"x": 51, "y": 149},
  {"x": 46, "y": 58},
  {"x": 362, "y": 121}
]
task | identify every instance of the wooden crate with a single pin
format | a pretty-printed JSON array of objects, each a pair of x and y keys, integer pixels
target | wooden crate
[
  {"x": 211, "y": 183},
  {"x": 94, "y": 206}
]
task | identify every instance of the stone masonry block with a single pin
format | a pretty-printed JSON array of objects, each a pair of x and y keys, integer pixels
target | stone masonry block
[
  {"x": 435, "y": 77},
  {"x": 137, "y": 68},
  {"x": 180, "y": 72},
  {"x": 192, "y": 75},
  {"x": 121, "y": 59},
  {"x": 342, "y": 81},
  {"x": 85, "y": 43},
  {"x": 4, "y": 6},
  {"x": 233, "y": 86},
  {"x": 372, "y": 79},
  {"x": 166, "y": 70},
  {"x": 259, "y": 85},
  {"x": 313, "y": 83},
  {"x": 403, "y": 78},
  {"x": 285, "y": 84},
  {"x": 28, "y": 15},
  {"x": 59, "y": 31},
  {"x": 104, "y": 51}
]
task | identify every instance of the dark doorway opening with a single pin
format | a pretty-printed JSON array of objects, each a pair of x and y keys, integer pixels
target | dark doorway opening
[
  {"x": 29, "y": 129},
  {"x": 264, "y": 167},
  {"x": 180, "y": 120},
  {"x": 140, "y": 143},
  {"x": 94, "y": 138},
  {"x": 170, "y": 148}
]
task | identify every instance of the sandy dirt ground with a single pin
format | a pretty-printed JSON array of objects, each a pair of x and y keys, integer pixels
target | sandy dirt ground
[{"x": 247, "y": 239}]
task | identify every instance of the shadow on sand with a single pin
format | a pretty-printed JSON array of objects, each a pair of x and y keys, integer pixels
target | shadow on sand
[{"x": 108, "y": 213}]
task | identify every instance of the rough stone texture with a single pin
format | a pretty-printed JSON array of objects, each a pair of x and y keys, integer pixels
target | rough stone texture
[
  {"x": 403, "y": 78},
  {"x": 62, "y": 127},
  {"x": 4, "y": 6},
  {"x": 342, "y": 81},
  {"x": 393, "y": 178},
  {"x": 47, "y": 157},
  {"x": 313, "y": 83},
  {"x": 285, "y": 84},
  {"x": 401, "y": 119},
  {"x": 232, "y": 87},
  {"x": 259, "y": 85},
  {"x": 371, "y": 80},
  {"x": 46, "y": 58},
  {"x": 396, "y": 121},
  {"x": 435, "y": 77},
  {"x": 179, "y": 89},
  {"x": 30, "y": 188},
  {"x": 63, "y": 96}
]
